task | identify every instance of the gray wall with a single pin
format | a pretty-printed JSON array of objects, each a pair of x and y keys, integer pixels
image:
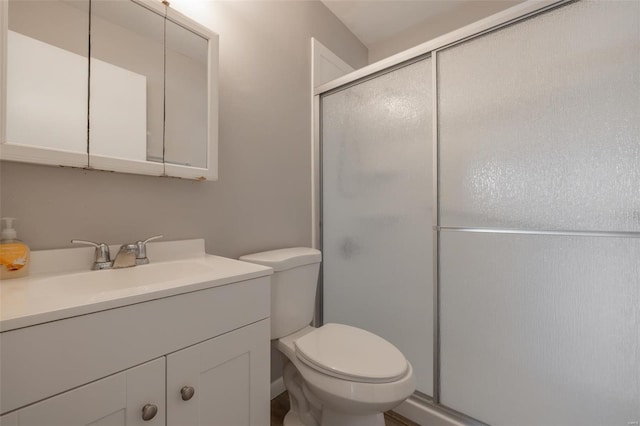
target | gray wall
[{"x": 262, "y": 200}]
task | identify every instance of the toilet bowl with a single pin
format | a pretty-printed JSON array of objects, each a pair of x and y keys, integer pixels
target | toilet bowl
[
  {"x": 357, "y": 387},
  {"x": 336, "y": 375}
]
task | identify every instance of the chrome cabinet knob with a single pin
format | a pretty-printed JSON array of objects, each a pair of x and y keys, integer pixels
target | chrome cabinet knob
[
  {"x": 187, "y": 392},
  {"x": 149, "y": 411}
]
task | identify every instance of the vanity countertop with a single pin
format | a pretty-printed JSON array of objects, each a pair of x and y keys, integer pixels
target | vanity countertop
[{"x": 62, "y": 286}]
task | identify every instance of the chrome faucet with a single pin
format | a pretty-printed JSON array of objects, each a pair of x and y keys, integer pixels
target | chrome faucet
[{"x": 128, "y": 255}]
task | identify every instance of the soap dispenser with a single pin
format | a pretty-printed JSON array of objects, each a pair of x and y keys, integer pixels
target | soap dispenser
[{"x": 14, "y": 254}]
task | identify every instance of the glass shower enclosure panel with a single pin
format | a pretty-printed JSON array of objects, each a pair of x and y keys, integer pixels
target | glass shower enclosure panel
[
  {"x": 539, "y": 149},
  {"x": 540, "y": 329},
  {"x": 540, "y": 122},
  {"x": 376, "y": 208}
]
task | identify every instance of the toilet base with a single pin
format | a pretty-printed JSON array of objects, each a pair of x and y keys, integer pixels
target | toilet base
[
  {"x": 308, "y": 410},
  {"x": 292, "y": 419},
  {"x": 334, "y": 418}
]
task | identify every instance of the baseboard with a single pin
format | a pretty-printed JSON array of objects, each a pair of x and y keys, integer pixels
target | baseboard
[
  {"x": 422, "y": 414},
  {"x": 277, "y": 387}
]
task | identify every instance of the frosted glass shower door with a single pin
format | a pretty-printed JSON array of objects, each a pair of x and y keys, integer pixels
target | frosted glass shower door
[
  {"x": 540, "y": 329},
  {"x": 539, "y": 122},
  {"x": 376, "y": 208},
  {"x": 539, "y": 136}
]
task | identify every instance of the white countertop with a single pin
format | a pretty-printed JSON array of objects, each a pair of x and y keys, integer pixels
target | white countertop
[{"x": 61, "y": 284}]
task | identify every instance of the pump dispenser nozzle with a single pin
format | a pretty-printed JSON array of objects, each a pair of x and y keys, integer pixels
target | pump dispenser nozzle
[
  {"x": 8, "y": 233},
  {"x": 14, "y": 254}
]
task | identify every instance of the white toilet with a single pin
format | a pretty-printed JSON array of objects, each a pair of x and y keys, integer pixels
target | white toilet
[{"x": 336, "y": 375}]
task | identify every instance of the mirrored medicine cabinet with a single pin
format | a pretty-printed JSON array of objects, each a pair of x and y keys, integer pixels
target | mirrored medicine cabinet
[{"x": 127, "y": 86}]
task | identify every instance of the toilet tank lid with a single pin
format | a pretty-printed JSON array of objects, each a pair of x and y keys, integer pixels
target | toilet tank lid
[{"x": 283, "y": 259}]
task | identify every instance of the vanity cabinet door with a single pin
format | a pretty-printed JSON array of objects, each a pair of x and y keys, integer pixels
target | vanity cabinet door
[
  {"x": 229, "y": 376},
  {"x": 113, "y": 401}
]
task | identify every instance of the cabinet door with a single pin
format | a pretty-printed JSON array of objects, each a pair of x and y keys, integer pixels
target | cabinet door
[
  {"x": 230, "y": 377},
  {"x": 114, "y": 400}
]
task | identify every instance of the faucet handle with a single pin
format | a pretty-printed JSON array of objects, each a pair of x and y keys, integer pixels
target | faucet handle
[
  {"x": 141, "y": 255},
  {"x": 102, "y": 256},
  {"x": 155, "y": 237}
]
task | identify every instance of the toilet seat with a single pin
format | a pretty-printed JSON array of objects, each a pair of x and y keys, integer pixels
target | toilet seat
[{"x": 352, "y": 354}]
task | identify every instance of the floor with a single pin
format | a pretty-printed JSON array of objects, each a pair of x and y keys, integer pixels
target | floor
[{"x": 280, "y": 406}]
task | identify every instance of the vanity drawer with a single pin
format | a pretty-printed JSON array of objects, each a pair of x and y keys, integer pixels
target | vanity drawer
[{"x": 43, "y": 360}]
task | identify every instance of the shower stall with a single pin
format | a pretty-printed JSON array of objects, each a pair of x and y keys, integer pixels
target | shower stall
[{"x": 480, "y": 209}]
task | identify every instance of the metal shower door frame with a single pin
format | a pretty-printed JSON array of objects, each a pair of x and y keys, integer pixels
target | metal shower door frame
[{"x": 431, "y": 49}]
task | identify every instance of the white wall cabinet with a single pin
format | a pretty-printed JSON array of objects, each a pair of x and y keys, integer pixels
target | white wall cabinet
[
  {"x": 142, "y": 100},
  {"x": 101, "y": 369}
]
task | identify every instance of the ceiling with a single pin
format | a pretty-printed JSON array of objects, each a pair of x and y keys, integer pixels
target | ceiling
[{"x": 374, "y": 21}]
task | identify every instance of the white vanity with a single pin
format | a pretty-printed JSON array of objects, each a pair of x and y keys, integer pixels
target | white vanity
[{"x": 181, "y": 341}]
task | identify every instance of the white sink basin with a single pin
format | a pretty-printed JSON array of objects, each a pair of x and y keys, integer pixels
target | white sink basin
[
  {"x": 97, "y": 284},
  {"x": 51, "y": 293}
]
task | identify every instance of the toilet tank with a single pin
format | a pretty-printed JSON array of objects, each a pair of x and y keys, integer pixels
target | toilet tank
[{"x": 293, "y": 286}]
